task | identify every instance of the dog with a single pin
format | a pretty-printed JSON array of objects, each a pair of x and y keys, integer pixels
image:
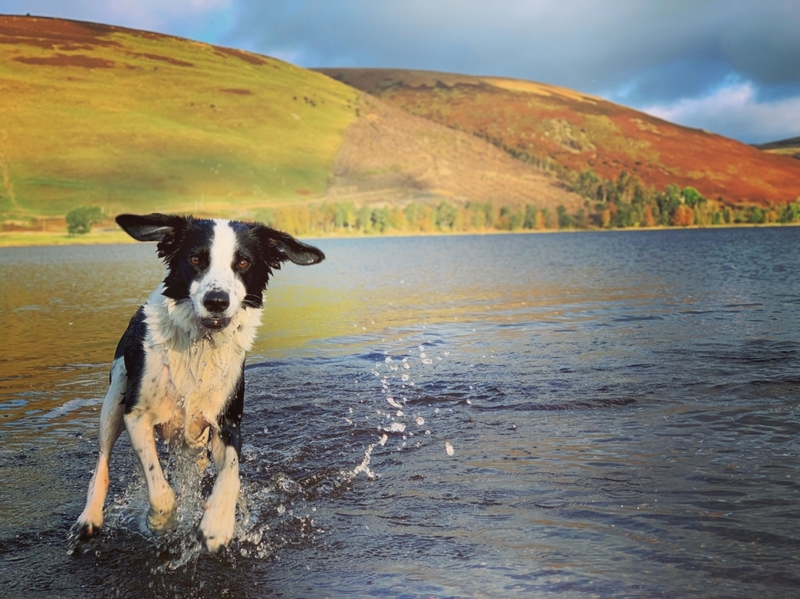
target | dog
[{"x": 179, "y": 368}]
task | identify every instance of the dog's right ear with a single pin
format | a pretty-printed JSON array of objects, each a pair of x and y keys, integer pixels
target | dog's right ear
[
  {"x": 166, "y": 229},
  {"x": 150, "y": 227}
]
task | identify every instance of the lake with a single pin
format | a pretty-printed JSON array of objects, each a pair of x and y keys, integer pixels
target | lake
[{"x": 558, "y": 415}]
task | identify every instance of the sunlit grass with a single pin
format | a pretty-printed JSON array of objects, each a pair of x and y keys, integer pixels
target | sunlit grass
[{"x": 169, "y": 124}]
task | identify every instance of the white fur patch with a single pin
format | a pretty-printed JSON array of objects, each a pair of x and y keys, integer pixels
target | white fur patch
[
  {"x": 190, "y": 373},
  {"x": 220, "y": 275},
  {"x": 219, "y": 518}
]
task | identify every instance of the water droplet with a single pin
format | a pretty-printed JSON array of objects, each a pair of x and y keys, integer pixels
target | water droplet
[
  {"x": 404, "y": 378},
  {"x": 396, "y": 427},
  {"x": 392, "y": 402},
  {"x": 420, "y": 420},
  {"x": 449, "y": 448}
]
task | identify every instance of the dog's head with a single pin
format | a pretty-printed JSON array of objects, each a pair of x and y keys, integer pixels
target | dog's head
[{"x": 220, "y": 266}]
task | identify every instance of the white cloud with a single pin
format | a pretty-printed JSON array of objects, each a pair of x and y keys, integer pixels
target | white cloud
[{"x": 735, "y": 110}]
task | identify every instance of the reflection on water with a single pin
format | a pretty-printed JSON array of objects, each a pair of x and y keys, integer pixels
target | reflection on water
[{"x": 573, "y": 415}]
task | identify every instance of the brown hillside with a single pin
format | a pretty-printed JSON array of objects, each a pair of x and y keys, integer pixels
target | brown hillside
[
  {"x": 389, "y": 154},
  {"x": 537, "y": 122}
]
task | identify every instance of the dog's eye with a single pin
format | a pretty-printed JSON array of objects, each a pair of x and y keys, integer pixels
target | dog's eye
[
  {"x": 194, "y": 260},
  {"x": 242, "y": 264}
]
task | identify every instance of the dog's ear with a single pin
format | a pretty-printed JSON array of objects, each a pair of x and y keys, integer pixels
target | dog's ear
[
  {"x": 150, "y": 227},
  {"x": 280, "y": 246},
  {"x": 166, "y": 229}
]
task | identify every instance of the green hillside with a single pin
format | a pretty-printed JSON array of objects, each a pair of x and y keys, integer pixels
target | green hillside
[{"x": 124, "y": 119}]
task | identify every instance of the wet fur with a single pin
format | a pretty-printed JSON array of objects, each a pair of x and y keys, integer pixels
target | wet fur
[{"x": 179, "y": 367}]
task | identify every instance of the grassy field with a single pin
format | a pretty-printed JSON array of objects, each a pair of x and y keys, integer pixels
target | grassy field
[{"x": 130, "y": 120}]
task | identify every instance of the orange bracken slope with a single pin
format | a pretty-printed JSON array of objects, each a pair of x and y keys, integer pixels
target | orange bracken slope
[{"x": 538, "y": 122}]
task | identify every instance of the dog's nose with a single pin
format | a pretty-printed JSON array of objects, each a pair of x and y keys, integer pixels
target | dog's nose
[{"x": 216, "y": 301}]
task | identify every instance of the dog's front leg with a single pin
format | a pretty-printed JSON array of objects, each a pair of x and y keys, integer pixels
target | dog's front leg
[
  {"x": 219, "y": 518},
  {"x": 162, "y": 514},
  {"x": 91, "y": 519}
]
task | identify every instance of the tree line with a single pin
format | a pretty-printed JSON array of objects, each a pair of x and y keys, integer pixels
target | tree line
[{"x": 624, "y": 203}]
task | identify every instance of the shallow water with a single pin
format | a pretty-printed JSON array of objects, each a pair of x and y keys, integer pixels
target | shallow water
[{"x": 570, "y": 415}]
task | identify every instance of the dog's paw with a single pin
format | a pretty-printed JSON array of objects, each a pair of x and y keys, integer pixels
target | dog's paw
[
  {"x": 216, "y": 528},
  {"x": 85, "y": 531},
  {"x": 162, "y": 521}
]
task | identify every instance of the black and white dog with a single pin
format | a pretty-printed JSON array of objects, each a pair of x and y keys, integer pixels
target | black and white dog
[{"x": 179, "y": 367}]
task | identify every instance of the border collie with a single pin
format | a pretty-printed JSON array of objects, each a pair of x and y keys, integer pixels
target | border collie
[{"x": 179, "y": 368}]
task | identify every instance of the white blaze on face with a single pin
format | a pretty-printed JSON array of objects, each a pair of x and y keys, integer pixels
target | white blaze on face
[{"x": 220, "y": 275}]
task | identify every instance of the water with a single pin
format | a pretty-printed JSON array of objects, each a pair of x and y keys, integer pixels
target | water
[{"x": 563, "y": 415}]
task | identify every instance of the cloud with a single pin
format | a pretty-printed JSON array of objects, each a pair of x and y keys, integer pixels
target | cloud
[
  {"x": 658, "y": 53},
  {"x": 735, "y": 108},
  {"x": 674, "y": 57},
  {"x": 667, "y": 48}
]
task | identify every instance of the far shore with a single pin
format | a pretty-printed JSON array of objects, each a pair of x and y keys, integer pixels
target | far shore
[{"x": 11, "y": 239}]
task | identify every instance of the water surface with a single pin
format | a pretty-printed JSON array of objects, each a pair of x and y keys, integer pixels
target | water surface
[{"x": 565, "y": 415}]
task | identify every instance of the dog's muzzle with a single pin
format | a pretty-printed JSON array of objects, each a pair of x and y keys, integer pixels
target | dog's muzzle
[{"x": 216, "y": 302}]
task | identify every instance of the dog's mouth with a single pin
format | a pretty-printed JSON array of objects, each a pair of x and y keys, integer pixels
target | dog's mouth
[{"x": 216, "y": 323}]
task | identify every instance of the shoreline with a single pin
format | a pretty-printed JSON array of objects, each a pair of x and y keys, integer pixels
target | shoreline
[{"x": 21, "y": 239}]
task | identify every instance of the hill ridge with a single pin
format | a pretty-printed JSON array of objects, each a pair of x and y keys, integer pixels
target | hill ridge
[{"x": 577, "y": 131}]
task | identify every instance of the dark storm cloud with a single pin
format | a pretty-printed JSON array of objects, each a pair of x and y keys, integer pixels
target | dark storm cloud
[{"x": 656, "y": 51}]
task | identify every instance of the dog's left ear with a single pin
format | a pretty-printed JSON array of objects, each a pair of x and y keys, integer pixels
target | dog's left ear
[{"x": 287, "y": 247}]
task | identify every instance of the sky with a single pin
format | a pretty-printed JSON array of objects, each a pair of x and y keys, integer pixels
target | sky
[{"x": 727, "y": 66}]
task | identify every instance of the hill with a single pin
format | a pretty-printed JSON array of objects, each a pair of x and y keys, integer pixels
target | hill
[
  {"x": 130, "y": 119},
  {"x": 136, "y": 121},
  {"x": 547, "y": 125},
  {"x": 786, "y": 147}
]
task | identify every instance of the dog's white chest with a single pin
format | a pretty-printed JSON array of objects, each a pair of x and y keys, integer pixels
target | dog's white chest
[
  {"x": 188, "y": 378},
  {"x": 186, "y": 391}
]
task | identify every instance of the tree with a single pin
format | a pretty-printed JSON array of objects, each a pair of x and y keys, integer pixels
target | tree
[
  {"x": 790, "y": 212},
  {"x": 445, "y": 216},
  {"x": 380, "y": 219},
  {"x": 80, "y": 219},
  {"x": 683, "y": 216},
  {"x": 756, "y": 215},
  {"x": 364, "y": 219},
  {"x": 668, "y": 202},
  {"x": 692, "y": 197},
  {"x": 648, "y": 220},
  {"x": 565, "y": 221},
  {"x": 529, "y": 222},
  {"x": 587, "y": 184}
]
